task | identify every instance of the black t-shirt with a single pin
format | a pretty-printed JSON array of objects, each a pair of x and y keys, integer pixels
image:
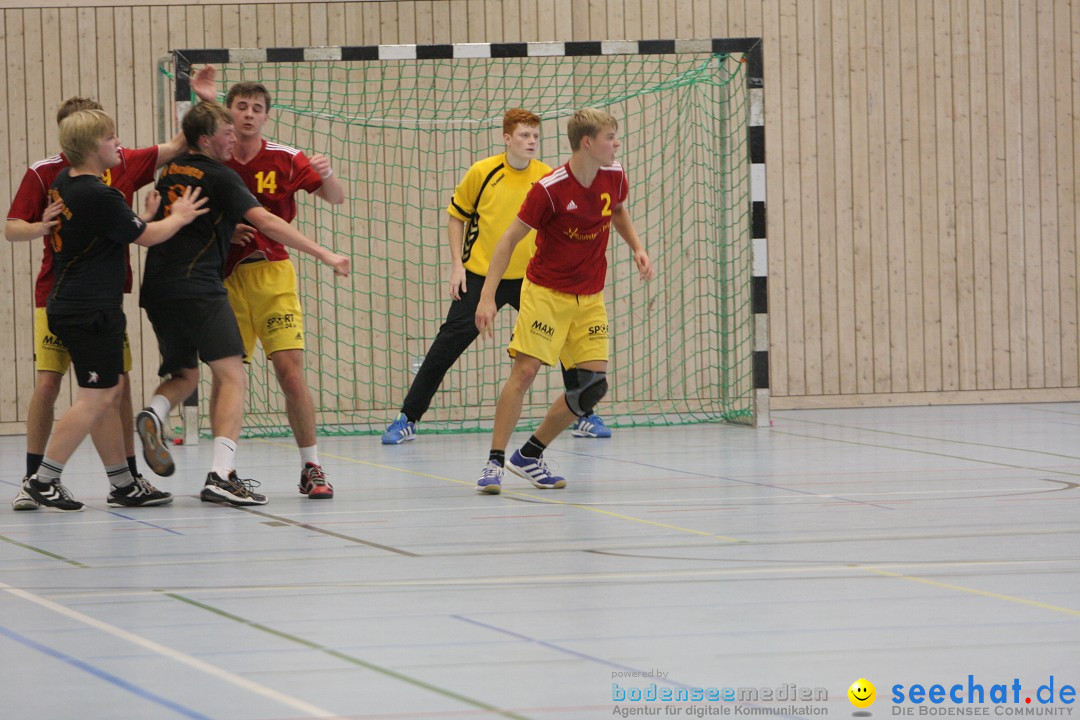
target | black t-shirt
[
  {"x": 90, "y": 244},
  {"x": 192, "y": 263}
]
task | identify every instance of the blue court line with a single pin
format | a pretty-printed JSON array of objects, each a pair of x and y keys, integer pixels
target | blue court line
[
  {"x": 591, "y": 658},
  {"x": 567, "y": 651},
  {"x": 106, "y": 676},
  {"x": 141, "y": 522}
]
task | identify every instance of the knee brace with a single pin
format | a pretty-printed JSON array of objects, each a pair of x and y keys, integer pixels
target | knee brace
[{"x": 584, "y": 389}]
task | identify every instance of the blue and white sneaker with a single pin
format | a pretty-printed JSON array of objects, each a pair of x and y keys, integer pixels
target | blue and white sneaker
[
  {"x": 401, "y": 430},
  {"x": 590, "y": 426},
  {"x": 534, "y": 470},
  {"x": 490, "y": 481}
]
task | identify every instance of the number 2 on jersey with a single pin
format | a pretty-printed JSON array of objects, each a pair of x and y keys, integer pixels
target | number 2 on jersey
[{"x": 607, "y": 204}]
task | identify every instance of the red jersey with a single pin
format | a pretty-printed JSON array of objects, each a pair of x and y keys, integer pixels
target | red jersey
[
  {"x": 136, "y": 168},
  {"x": 572, "y": 224},
  {"x": 274, "y": 176}
]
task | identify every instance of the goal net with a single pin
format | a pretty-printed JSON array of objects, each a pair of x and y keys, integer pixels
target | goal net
[{"x": 401, "y": 133}]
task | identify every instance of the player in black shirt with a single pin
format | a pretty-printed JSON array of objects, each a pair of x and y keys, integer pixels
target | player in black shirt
[
  {"x": 85, "y": 308},
  {"x": 184, "y": 295}
]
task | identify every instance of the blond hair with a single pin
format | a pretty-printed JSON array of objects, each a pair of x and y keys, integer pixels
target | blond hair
[
  {"x": 82, "y": 131},
  {"x": 588, "y": 122}
]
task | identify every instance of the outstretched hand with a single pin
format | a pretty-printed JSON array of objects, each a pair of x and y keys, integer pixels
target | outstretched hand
[
  {"x": 189, "y": 205},
  {"x": 204, "y": 84}
]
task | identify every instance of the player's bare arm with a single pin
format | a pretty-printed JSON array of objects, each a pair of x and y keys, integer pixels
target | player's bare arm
[
  {"x": 620, "y": 218},
  {"x": 332, "y": 189},
  {"x": 455, "y": 232},
  {"x": 202, "y": 83},
  {"x": 277, "y": 229},
  {"x": 500, "y": 260},
  {"x": 21, "y": 231}
]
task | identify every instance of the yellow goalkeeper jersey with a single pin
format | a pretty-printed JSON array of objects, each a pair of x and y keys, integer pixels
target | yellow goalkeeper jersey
[{"x": 487, "y": 200}]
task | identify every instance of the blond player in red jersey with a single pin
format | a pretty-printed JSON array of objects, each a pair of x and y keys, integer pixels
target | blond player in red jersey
[
  {"x": 31, "y": 217},
  {"x": 261, "y": 280},
  {"x": 562, "y": 315}
]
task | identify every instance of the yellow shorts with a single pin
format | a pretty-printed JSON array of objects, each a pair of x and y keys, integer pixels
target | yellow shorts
[
  {"x": 555, "y": 326},
  {"x": 51, "y": 355},
  {"x": 263, "y": 296}
]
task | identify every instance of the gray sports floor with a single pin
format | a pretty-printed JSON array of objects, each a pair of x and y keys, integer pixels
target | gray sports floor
[{"x": 906, "y": 546}]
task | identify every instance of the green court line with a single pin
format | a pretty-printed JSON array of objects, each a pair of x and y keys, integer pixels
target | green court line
[
  {"x": 46, "y": 553},
  {"x": 349, "y": 658}
]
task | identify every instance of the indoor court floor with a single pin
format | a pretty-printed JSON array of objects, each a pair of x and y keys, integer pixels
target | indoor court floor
[{"x": 904, "y": 546}]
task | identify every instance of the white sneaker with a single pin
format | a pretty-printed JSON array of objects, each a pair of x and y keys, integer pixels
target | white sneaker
[{"x": 23, "y": 501}]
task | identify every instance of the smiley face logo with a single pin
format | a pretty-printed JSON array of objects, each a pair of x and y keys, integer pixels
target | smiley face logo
[{"x": 862, "y": 693}]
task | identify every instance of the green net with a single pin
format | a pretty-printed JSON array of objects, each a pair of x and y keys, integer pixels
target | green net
[{"x": 402, "y": 133}]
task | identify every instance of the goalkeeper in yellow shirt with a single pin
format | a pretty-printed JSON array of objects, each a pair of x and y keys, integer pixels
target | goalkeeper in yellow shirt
[{"x": 485, "y": 203}]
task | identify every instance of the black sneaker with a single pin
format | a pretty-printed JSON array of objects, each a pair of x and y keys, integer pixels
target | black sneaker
[
  {"x": 51, "y": 495},
  {"x": 138, "y": 494},
  {"x": 231, "y": 490},
  {"x": 157, "y": 456}
]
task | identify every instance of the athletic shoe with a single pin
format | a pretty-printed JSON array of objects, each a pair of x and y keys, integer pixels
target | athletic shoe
[
  {"x": 157, "y": 456},
  {"x": 313, "y": 483},
  {"x": 23, "y": 501},
  {"x": 231, "y": 490},
  {"x": 535, "y": 470},
  {"x": 138, "y": 494},
  {"x": 590, "y": 426},
  {"x": 401, "y": 430},
  {"x": 490, "y": 481},
  {"x": 52, "y": 495}
]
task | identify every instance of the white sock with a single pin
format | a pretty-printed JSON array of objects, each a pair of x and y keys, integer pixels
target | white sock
[
  {"x": 119, "y": 475},
  {"x": 309, "y": 455},
  {"x": 224, "y": 456},
  {"x": 161, "y": 407}
]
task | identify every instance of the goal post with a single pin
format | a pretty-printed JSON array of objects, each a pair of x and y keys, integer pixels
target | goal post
[{"x": 402, "y": 123}]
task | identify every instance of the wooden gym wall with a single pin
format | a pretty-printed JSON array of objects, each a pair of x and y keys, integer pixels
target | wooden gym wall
[{"x": 921, "y": 173}]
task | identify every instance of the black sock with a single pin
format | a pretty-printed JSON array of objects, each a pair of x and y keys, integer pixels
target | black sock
[
  {"x": 498, "y": 457},
  {"x": 132, "y": 466},
  {"x": 533, "y": 449},
  {"x": 33, "y": 461}
]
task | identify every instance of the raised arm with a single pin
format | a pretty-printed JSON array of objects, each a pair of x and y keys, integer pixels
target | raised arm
[{"x": 332, "y": 190}]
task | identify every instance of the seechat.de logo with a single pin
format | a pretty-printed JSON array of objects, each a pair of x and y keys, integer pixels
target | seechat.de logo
[{"x": 862, "y": 693}]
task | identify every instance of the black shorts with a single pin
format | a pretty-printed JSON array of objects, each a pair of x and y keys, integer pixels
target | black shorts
[
  {"x": 95, "y": 339},
  {"x": 194, "y": 329}
]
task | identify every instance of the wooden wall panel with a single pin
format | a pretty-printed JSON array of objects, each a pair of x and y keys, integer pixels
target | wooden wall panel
[{"x": 922, "y": 164}]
